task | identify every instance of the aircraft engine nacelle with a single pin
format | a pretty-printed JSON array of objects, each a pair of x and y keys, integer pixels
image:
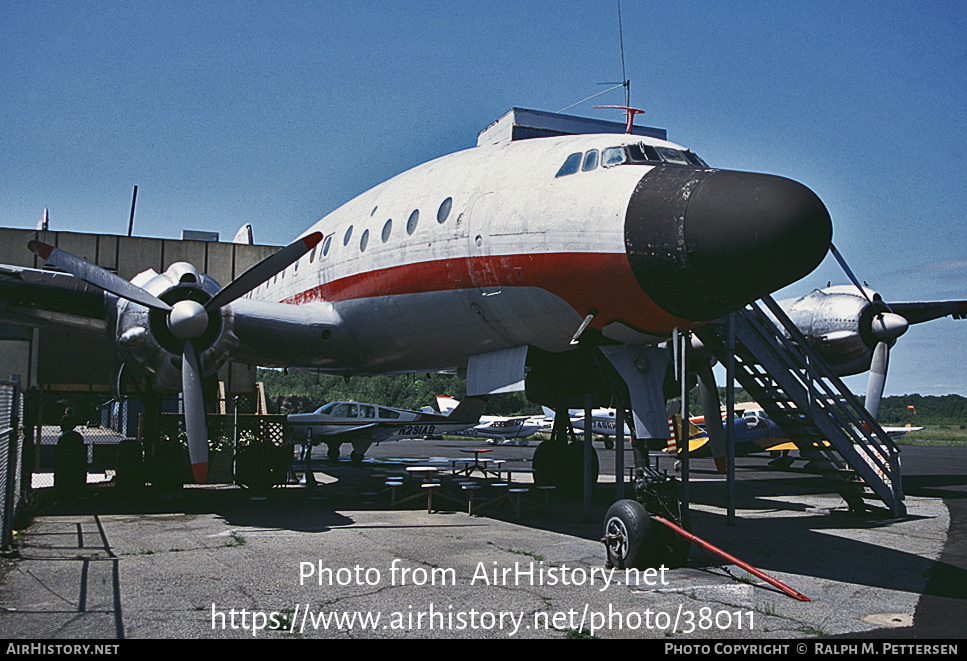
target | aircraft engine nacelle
[
  {"x": 843, "y": 327},
  {"x": 146, "y": 339}
]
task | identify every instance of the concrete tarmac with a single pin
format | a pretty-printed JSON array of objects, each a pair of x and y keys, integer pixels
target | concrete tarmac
[{"x": 335, "y": 561}]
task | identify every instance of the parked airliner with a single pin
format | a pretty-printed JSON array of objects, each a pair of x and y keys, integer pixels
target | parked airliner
[{"x": 488, "y": 261}]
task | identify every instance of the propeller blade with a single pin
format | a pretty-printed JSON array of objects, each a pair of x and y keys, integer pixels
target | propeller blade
[
  {"x": 268, "y": 267},
  {"x": 95, "y": 275},
  {"x": 877, "y": 378},
  {"x": 194, "y": 402},
  {"x": 849, "y": 274},
  {"x": 712, "y": 410}
]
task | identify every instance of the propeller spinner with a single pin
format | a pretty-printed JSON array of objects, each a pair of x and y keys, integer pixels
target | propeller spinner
[
  {"x": 186, "y": 319},
  {"x": 886, "y": 327}
]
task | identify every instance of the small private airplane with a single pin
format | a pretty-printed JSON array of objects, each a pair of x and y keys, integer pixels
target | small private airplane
[
  {"x": 554, "y": 264},
  {"x": 754, "y": 432},
  {"x": 508, "y": 430},
  {"x": 362, "y": 425},
  {"x": 603, "y": 422},
  {"x": 853, "y": 330}
]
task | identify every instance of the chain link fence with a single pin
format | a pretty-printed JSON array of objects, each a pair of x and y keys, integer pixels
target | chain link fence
[{"x": 11, "y": 433}]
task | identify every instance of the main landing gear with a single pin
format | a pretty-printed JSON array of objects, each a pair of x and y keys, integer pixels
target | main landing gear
[
  {"x": 559, "y": 461},
  {"x": 632, "y": 538},
  {"x": 356, "y": 456}
]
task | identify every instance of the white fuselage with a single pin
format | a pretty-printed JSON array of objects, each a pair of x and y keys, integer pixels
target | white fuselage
[{"x": 522, "y": 250}]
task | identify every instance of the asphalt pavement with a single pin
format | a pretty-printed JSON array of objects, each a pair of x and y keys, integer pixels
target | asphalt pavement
[{"x": 337, "y": 561}]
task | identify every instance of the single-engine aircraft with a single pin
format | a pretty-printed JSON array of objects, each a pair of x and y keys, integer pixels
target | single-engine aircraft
[
  {"x": 362, "y": 425},
  {"x": 509, "y": 430},
  {"x": 554, "y": 264}
]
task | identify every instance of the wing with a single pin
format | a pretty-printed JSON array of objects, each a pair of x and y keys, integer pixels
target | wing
[
  {"x": 51, "y": 299},
  {"x": 917, "y": 313}
]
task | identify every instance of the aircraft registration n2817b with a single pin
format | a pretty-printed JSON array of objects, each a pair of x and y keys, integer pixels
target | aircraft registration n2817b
[{"x": 524, "y": 263}]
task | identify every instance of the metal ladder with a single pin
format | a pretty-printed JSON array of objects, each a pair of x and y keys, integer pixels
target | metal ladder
[{"x": 811, "y": 405}]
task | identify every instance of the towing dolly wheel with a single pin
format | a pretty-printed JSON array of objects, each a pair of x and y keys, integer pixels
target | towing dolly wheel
[{"x": 629, "y": 535}]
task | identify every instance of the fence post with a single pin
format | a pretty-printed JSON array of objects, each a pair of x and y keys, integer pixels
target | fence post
[{"x": 234, "y": 438}]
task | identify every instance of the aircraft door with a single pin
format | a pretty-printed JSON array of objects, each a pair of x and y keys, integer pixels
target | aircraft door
[{"x": 482, "y": 263}]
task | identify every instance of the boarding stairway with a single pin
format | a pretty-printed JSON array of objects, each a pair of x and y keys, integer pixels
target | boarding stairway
[{"x": 812, "y": 406}]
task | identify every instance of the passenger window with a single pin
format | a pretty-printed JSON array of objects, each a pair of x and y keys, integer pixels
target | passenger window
[
  {"x": 367, "y": 411},
  {"x": 612, "y": 156},
  {"x": 590, "y": 160},
  {"x": 349, "y": 235},
  {"x": 387, "y": 230},
  {"x": 344, "y": 411},
  {"x": 325, "y": 246},
  {"x": 389, "y": 414},
  {"x": 312, "y": 255},
  {"x": 413, "y": 220},
  {"x": 570, "y": 166},
  {"x": 444, "y": 210},
  {"x": 363, "y": 240}
]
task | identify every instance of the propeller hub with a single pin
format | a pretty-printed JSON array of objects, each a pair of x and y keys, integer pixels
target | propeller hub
[
  {"x": 888, "y": 326},
  {"x": 187, "y": 320}
]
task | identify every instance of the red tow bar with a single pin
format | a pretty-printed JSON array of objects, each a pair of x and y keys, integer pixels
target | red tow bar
[{"x": 731, "y": 558}]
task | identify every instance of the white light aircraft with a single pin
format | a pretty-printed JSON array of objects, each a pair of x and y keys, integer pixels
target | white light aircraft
[
  {"x": 509, "y": 430},
  {"x": 554, "y": 264}
]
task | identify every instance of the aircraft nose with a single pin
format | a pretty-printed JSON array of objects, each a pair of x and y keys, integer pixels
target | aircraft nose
[{"x": 703, "y": 243}]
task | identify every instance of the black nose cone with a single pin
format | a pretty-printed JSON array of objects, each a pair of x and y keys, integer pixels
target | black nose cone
[{"x": 703, "y": 243}]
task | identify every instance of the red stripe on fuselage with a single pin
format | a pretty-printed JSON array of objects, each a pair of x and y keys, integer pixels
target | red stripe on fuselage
[{"x": 601, "y": 281}]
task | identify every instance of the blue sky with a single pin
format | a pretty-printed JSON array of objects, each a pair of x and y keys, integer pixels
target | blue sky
[{"x": 275, "y": 113}]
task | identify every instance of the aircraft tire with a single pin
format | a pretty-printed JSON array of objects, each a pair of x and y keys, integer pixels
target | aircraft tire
[
  {"x": 333, "y": 453},
  {"x": 633, "y": 540},
  {"x": 356, "y": 457},
  {"x": 547, "y": 463},
  {"x": 573, "y": 473}
]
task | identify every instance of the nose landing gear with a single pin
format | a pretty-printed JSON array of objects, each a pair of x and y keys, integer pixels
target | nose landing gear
[{"x": 632, "y": 539}]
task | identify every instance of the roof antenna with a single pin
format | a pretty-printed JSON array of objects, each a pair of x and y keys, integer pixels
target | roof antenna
[
  {"x": 624, "y": 79},
  {"x": 631, "y": 112},
  {"x": 621, "y": 42}
]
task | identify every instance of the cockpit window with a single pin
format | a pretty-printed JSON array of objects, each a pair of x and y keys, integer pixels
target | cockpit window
[
  {"x": 642, "y": 153},
  {"x": 673, "y": 156},
  {"x": 638, "y": 153},
  {"x": 570, "y": 166},
  {"x": 613, "y": 156},
  {"x": 695, "y": 160}
]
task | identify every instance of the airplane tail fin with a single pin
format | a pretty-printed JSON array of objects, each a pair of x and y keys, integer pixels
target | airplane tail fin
[
  {"x": 697, "y": 438},
  {"x": 244, "y": 235},
  {"x": 447, "y": 404},
  {"x": 469, "y": 410},
  {"x": 548, "y": 413}
]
